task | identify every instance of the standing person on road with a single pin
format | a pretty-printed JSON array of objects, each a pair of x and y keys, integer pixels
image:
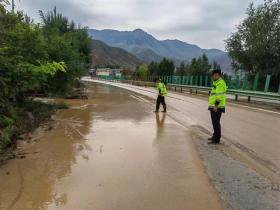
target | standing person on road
[
  {"x": 162, "y": 92},
  {"x": 217, "y": 104}
]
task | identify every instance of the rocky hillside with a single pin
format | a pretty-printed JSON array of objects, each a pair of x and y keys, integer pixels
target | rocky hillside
[{"x": 103, "y": 55}]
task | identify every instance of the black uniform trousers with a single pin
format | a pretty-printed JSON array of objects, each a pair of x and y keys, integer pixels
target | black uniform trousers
[
  {"x": 160, "y": 100},
  {"x": 216, "y": 118}
]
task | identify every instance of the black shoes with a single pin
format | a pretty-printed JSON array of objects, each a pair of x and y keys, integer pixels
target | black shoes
[
  {"x": 213, "y": 142},
  {"x": 164, "y": 108},
  {"x": 164, "y": 111}
]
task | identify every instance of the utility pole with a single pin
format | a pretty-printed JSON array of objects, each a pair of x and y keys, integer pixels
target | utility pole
[{"x": 13, "y": 6}]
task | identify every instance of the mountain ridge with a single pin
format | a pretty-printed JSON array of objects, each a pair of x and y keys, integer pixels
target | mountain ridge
[{"x": 146, "y": 47}]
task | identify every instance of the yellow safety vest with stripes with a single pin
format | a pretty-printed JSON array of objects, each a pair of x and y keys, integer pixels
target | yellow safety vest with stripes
[
  {"x": 218, "y": 94},
  {"x": 162, "y": 89}
]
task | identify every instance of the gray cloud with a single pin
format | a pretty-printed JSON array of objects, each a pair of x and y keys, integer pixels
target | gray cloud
[{"x": 206, "y": 23}]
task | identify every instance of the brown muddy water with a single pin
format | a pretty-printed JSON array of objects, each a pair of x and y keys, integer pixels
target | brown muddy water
[{"x": 110, "y": 152}]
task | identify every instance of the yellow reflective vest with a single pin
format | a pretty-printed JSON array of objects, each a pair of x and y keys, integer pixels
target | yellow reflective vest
[
  {"x": 162, "y": 89},
  {"x": 218, "y": 95}
]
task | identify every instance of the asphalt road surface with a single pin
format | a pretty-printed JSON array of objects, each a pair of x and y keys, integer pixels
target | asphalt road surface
[
  {"x": 110, "y": 152},
  {"x": 254, "y": 130}
]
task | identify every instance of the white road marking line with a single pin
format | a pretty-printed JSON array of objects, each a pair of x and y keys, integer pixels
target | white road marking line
[{"x": 258, "y": 109}]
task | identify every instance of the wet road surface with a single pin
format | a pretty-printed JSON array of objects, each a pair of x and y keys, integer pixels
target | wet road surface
[
  {"x": 110, "y": 152},
  {"x": 255, "y": 131}
]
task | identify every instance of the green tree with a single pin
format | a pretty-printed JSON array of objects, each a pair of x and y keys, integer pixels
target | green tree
[
  {"x": 215, "y": 65},
  {"x": 153, "y": 69},
  {"x": 24, "y": 63},
  {"x": 181, "y": 70},
  {"x": 142, "y": 72},
  {"x": 67, "y": 43},
  {"x": 166, "y": 68},
  {"x": 199, "y": 66},
  {"x": 255, "y": 45}
]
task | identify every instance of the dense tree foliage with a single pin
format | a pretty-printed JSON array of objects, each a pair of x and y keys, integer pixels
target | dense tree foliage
[
  {"x": 141, "y": 72},
  {"x": 67, "y": 43},
  {"x": 198, "y": 66},
  {"x": 153, "y": 69},
  {"x": 255, "y": 45},
  {"x": 164, "y": 68},
  {"x": 45, "y": 58}
]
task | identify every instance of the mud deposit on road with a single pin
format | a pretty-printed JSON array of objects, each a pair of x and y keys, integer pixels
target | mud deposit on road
[
  {"x": 110, "y": 152},
  {"x": 237, "y": 182}
]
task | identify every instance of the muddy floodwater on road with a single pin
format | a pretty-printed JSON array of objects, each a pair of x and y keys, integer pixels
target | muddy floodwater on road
[{"x": 110, "y": 152}]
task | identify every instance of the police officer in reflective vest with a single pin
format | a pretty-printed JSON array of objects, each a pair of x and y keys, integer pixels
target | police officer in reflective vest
[
  {"x": 217, "y": 104},
  {"x": 162, "y": 92}
]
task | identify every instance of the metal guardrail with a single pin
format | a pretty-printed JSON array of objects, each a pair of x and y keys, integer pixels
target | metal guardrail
[
  {"x": 236, "y": 93},
  {"x": 250, "y": 94}
]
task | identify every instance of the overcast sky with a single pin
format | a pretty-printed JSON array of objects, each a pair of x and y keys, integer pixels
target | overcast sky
[{"x": 206, "y": 23}]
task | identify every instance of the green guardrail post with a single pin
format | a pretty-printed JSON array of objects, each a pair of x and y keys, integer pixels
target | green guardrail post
[
  {"x": 196, "y": 81},
  {"x": 256, "y": 82},
  {"x": 279, "y": 89},
  {"x": 229, "y": 82},
  {"x": 237, "y": 82},
  {"x": 191, "y": 80},
  {"x": 267, "y": 82},
  {"x": 245, "y": 82},
  {"x": 200, "y": 81},
  {"x": 206, "y": 81}
]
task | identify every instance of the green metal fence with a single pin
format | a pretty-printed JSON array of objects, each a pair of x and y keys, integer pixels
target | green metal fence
[{"x": 237, "y": 85}]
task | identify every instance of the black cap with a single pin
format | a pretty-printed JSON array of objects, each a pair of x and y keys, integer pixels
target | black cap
[{"x": 217, "y": 71}]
